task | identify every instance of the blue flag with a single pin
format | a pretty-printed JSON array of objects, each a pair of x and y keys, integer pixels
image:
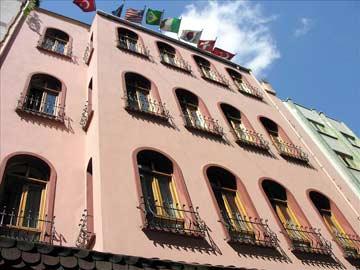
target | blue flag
[{"x": 118, "y": 11}]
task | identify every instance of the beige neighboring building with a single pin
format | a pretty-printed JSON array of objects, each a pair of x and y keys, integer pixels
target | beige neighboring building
[{"x": 9, "y": 12}]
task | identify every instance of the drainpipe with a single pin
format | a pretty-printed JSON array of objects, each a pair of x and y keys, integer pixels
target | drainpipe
[{"x": 332, "y": 180}]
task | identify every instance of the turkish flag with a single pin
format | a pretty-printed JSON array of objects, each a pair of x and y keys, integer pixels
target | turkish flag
[
  {"x": 85, "y": 5},
  {"x": 207, "y": 45},
  {"x": 223, "y": 54}
]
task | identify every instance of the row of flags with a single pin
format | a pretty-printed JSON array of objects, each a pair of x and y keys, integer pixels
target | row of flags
[{"x": 155, "y": 17}]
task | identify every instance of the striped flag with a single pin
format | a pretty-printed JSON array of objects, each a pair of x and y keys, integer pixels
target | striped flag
[{"x": 134, "y": 15}]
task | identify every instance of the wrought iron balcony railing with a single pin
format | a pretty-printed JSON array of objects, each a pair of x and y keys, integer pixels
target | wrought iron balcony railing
[
  {"x": 147, "y": 106},
  {"x": 86, "y": 117},
  {"x": 350, "y": 245},
  {"x": 172, "y": 218},
  {"x": 176, "y": 62},
  {"x": 56, "y": 46},
  {"x": 214, "y": 76},
  {"x": 290, "y": 150},
  {"x": 88, "y": 53},
  {"x": 251, "y": 231},
  {"x": 85, "y": 237},
  {"x": 251, "y": 138},
  {"x": 204, "y": 124},
  {"x": 26, "y": 226},
  {"x": 307, "y": 239},
  {"x": 250, "y": 90},
  {"x": 36, "y": 106},
  {"x": 133, "y": 45}
]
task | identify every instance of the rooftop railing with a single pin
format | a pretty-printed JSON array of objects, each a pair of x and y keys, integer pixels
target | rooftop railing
[
  {"x": 251, "y": 137},
  {"x": 147, "y": 106},
  {"x": 88, "y": 53},
  {"x": 176, "y": 62},
  {"x": 203, "y": 124},
  {"x": 27, "y": 226},
  {"x": 249, "y": 90},
  {"x": 350, "y": 244},
  {"x": 85, "y": 237},
  {"x": 172, "y": 218},
  {"x": 251, "y": 231},
  {"x": 54, "y": 45},
  {"x": 290, "y": 150},
  {"x": 132, "y": 45},
  {"x": 36, "y": 106},
  {"x": 307, "y": 239},
  {"x": 86, "y": 117}
]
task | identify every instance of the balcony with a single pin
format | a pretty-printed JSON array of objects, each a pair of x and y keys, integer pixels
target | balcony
[
  {"x": 147, "y": 106},
  {"x": 27, "y": 226},
  {"x": 213, "y": 76},
  {"x": 86, "y": 238},
  {"x": 55, "y": 46},
  {"x": 307, "y": 239},
  {"x": 250, "y": 231},
  {"x": 88, "y": 53},
  {"x": 249, "y": 90},
  {"x": 36, "y": 106},
  {"x": 174, "y": 219},
  {"x": 133, "y": 46},
  {"x": 350, "y": 245},
  {"x": 290, "y": 150},
  {"x": 251, "y": 138},
  {"x": 175, "y": 62},
  {"x": 86, "y": 117},
  {"x": 203, "y": 124}
]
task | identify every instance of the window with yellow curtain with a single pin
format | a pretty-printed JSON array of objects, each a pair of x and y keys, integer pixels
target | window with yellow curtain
[{"x": 158, "y": 185}]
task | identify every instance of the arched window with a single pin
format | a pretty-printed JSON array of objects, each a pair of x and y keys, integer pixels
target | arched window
[
  {"x": 281, "y": 141},
  {"x": 337, "y": 225},
  {"x": 158, "y": 187},
  {"x": 138, "y": 92},
  {"x": 242, "y": 85},
  {"x": 168, "y": 53},
  {"x": 56, "y": 41},
  {"x": 43, "y": 96},
  {"x": 302, "y": 236},
  {"x": 130, "y": 41},
  {"x": 22, "y": 195},
  {"x": 241, "y": 127},
  {"x": 208, "y": 71}
]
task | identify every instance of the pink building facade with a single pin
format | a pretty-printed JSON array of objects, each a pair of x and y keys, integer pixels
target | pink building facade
[{"x": 177, "y": 155}]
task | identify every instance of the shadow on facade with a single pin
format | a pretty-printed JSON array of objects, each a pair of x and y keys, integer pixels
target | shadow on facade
[
  {"x": 258, "y": 252},
  {"x": 299, "y": 163},
  {"x": 326, "y": 261},
  {"x": 354, "y": 262},
  {"x": 208, "y": 136},
  {"x": 160, "y": 121},
  {"x": 256, "y": 150},
  {"x": 181, "y": 242}
]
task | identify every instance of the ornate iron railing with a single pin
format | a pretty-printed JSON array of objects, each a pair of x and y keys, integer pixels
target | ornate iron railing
[
  {"x": 250, "y": 90},
  {"x": 203, "y": 123},
  {"x": 147, "y": 106},
  {"x": 175, "y": 62},
  {"x": 132, "y": 45},
  {"x": 251, "y": 231},
  {"x": 54, "y": 45},
  {"x": 88, "y": 52},
  {"x": 251, "y": 137},
  {"x": 213, "y": 76},
  {"x": 307, "y": 239},
  {"x": 173, "y": 218},
  {"x": 86, "y": 117},
  {"x": 34, "y": 105},
  {"x": 26, "y": 226},
  {"x": 350, "y": 244},
  {"x": 290, "y": 150},
  {"x": 86, "y": 236}
]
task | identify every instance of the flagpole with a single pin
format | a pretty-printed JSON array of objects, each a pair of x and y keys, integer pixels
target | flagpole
[{"x": 161, "y": 17}]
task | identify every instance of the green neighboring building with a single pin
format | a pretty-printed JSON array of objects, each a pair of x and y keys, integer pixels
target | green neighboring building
[{"x": 335, "y": 139}]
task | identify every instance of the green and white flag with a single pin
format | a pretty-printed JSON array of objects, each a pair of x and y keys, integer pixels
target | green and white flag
[
  {"x": 153, "y": 16},
  {"x": 170, "y": 25}
]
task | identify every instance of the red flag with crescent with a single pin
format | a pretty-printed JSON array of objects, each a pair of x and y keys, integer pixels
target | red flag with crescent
[
  {"x": 85, "y": 5},
  {"x": 207, "y": 45},
  {"x": 222, "y": 53}
]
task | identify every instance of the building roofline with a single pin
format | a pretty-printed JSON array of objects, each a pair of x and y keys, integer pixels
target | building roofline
[
  {"x": 57, "y": 15},
  {"x": 172, "y": 40}
]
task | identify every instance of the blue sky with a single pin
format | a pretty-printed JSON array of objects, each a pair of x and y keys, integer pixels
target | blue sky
[{"x": 309, "y": 51}]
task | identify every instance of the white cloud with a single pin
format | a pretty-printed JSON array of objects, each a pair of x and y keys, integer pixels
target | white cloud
[
  {"x": 304, "y": 27},
  {"x": 240, "y": 27}
]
